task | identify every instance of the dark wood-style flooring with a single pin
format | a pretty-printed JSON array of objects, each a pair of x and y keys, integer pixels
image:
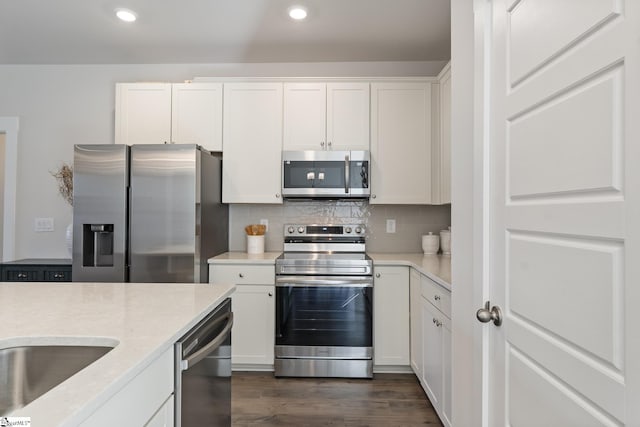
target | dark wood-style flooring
[{"x": 388, "y": 400}]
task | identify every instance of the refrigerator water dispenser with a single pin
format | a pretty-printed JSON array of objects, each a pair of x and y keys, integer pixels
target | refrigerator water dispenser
[{"x": 97, "y": 245}]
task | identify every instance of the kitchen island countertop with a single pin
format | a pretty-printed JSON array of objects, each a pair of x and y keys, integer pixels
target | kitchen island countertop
[{"x": 142, "y": 320}]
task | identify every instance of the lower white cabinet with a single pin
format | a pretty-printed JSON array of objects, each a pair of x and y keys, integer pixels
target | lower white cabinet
[
  {"x": 415, "y": 302},
  {"x": 165, "y": 415},
  {"x": 253, "y": 306},
  {"x": 252, "y": 337},
  {"x": 143, "y": 401},
  {"x": 391, "y": 316},
  {"x": 435, "y": 372}
]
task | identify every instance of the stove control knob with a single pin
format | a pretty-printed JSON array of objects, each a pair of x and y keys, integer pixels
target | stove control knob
[
  {"x": 290, "y": 230},
  {"x": 300, "y": 230},
  {"x": 358, "y": 230},
  {"x": 347, "y": 230}
]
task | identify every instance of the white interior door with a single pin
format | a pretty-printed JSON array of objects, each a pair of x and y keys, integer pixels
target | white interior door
[{"x": 564, "y": 212}]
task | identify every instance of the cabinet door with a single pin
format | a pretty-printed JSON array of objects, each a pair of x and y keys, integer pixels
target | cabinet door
[
  {"x": 252, "y": 338},
  {"x": 432, "y": 353},
  {"x": 415, "y": 301},
  {"x": 441, "y": 176},
  {"x": 445, "y": 414},
  {"x": 143, "y": 113},
  {"x": 401, "y": 143},
  {"x": 252, "y": 135},
  {"x": 305, "y": 116},
  {"x": 391, "y": 316},
  {"x": 348, "y": 116},
  {"x": 196, "y": 114}
]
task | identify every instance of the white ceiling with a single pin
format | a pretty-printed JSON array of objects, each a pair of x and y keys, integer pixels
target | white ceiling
[{"x": 222, "y": 31}]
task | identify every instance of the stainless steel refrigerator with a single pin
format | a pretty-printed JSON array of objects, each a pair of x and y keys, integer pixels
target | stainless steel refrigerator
[{"x": 147, "y": 213}]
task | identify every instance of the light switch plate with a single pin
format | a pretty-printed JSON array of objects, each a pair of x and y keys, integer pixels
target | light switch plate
[
  {"x": 265, "y": 222},
  {"x": 43, "y": 224},
  {"x": 391, "y": 226}
]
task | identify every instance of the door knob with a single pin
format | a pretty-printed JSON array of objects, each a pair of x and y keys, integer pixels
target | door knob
[{"x": 486, "y": 315}]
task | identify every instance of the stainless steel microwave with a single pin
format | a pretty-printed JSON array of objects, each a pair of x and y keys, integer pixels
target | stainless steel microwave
[{"x": 325, "y": 174}]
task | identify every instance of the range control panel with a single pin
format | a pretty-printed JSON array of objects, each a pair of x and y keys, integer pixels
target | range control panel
[{"x": 324, "y": 230}]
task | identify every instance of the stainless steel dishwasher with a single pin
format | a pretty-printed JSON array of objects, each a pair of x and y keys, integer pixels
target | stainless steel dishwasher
[{"x": 203, "y": 371}]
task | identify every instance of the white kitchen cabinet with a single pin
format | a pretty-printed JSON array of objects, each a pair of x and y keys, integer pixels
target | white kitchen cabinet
[
  {"x": 196, "y": 114},
  {"x": 436, "y": 348},
  {"x": 156, "y": 113},
  {"x": 441, "y": 164},
  {"x": 252, "y": 135},
  {"x": 415, "y": 312},
  {"x": 401, "y": 143},
  {"x": 391, "y": 317},
  {"x": 326, "y": 116},
  {"x": 165, "y": 415},
  {"x": 141, "y": 399},
  {"x": 253, "y": 306},
  {"x": 143, "y": 113}
]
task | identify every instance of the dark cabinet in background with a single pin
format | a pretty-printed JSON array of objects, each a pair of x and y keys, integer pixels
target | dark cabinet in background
[{"x": 36, "y": 270}]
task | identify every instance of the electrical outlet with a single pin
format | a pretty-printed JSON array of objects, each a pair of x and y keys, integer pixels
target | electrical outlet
[
  {"x": 265, "y": 222},
  {"x": 43, "y": 224},
  {"x": 391, "y": 226}
]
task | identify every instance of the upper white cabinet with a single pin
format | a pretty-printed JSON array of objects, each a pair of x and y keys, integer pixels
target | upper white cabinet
[
  {"x": 326, "y": 116},
  {"x": 143, "y": 113},
  {"x": 401, "y": 143},
  {"x": 441, "y": 163},
  {"x": 196, "y": 114},
  {"x": 252, "y": 134},
  {"x": 156, "y": 113}
]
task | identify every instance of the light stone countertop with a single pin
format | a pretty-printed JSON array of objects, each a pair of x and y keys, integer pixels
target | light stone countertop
[
  {"x": 245, "y": 258},
  {"x": 436, "y": 267},
  {"x": 142, "y": 320}
]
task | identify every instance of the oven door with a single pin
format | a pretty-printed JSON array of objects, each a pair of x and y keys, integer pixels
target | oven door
[{"x": 332, "y": 314}]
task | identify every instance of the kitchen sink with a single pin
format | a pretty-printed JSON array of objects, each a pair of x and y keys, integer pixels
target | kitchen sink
[{"x": 27, "y": 372}]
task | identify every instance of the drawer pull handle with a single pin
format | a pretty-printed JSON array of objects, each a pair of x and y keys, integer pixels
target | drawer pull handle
[
  {"x": 241, "y": 275},
  {"x": 378, "y": 275},
  {"x": 22, "y": 275},
  {"x": 437, "y": 297},
  {"x": 270, "y": 294}
]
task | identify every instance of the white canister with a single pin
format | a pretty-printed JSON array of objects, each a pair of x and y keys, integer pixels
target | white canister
[
  {"x": 430, "y": 243},
  {"x": 445, "y": 241},
  {"x": 255, "y": 244}
]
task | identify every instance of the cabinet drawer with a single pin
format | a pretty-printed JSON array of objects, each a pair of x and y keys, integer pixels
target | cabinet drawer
[
  {"x": 436, "y": 295},
  {"x": 243, "y": 274},
  {"x": 21, "y": 275},
  {"x": 57, "y": 276}
]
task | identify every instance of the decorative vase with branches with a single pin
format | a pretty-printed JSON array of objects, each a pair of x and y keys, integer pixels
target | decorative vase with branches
[{"x": 64, "y": 177}]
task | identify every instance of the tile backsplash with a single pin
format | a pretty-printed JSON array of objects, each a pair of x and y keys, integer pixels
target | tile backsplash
[{"x": 412, "y": 222}]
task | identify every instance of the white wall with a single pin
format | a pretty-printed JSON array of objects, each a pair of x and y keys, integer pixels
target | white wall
[
  {"x": 60, "y": 106},
  {"x": 2, "y": 159}
]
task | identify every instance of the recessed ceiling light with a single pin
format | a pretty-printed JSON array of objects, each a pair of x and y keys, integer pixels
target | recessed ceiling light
[
  {"x": 126, "y": 15},
  {"x": 297, "y": 13}
]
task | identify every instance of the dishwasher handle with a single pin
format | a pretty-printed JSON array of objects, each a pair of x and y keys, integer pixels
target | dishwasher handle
[{"x": 212, "y": 345}]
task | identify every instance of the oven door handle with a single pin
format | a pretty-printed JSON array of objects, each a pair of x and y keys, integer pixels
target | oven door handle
[{"x": 324, "y": 281}]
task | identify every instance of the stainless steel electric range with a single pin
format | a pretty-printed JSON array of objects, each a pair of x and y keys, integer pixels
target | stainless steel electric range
[{"x": 324, "y": 303}]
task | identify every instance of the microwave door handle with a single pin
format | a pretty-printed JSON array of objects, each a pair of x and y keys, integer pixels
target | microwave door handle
[{"x": 346, "y": 174}]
